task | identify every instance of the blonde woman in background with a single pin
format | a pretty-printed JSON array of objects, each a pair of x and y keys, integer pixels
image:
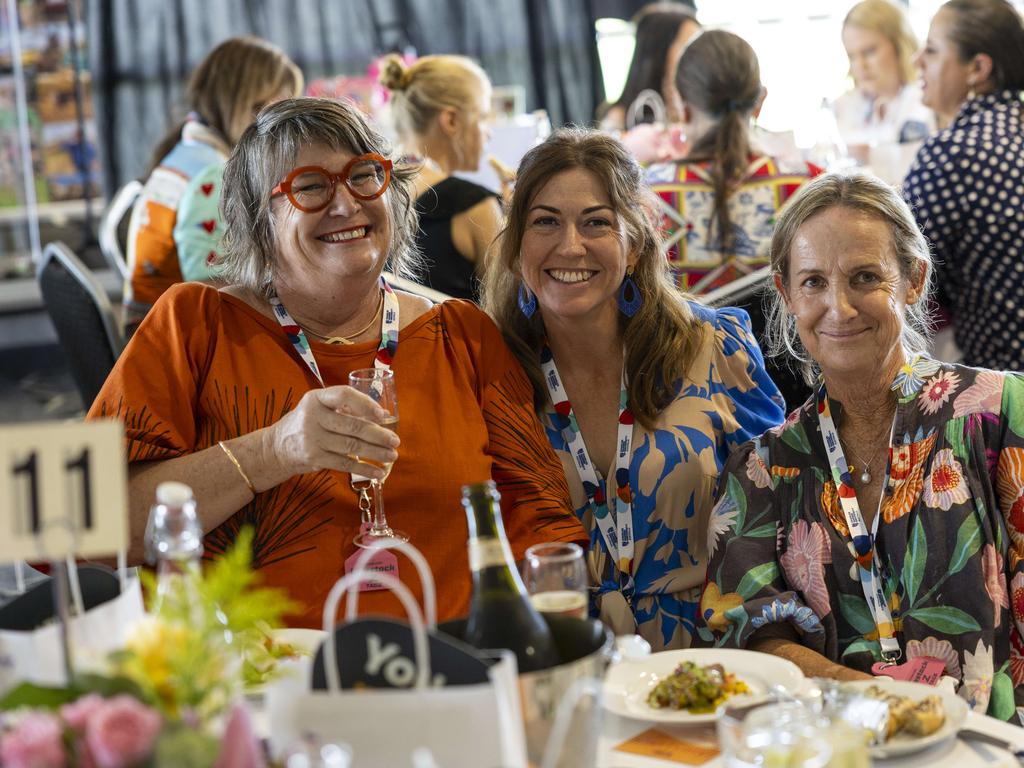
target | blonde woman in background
[
  {"x": 441, "y": 106},
  {"x": 175, "y": 228},
  {"x": 884, "y": 106}
]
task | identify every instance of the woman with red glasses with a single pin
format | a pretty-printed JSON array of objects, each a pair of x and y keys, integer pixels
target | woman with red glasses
[{"x": 242, "y": 392}]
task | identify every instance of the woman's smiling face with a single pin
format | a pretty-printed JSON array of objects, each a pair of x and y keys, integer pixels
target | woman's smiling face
[
  {"x": 574, "y": 248},
  {"x": 847, "y": 294},
  {"x": 348, "y": 238}
]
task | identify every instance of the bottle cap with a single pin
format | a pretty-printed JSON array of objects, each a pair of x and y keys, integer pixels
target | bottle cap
[{"x": 173, "y": 494}]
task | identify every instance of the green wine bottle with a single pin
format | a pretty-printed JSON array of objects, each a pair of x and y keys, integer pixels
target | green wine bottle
[{"x": 500, "y": 612}]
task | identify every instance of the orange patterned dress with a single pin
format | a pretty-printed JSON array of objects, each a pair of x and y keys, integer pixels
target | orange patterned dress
[{"x": 205, "y": 366}]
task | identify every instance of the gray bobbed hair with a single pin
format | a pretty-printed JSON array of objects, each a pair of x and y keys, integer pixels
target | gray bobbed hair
[
  {"x": 266, "y": 153},
  {"x": 862, "y": 192}
]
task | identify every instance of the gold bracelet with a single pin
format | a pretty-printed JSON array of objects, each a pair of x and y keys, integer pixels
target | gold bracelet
[{"x": 230, "y": 455}]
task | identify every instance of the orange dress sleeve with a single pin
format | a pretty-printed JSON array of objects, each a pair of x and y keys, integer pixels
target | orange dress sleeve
[
  {"x": 155, "y": 386},
  {"x": 535, "y": 499}
]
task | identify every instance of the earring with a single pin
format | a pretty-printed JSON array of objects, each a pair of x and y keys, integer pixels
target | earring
[
  {"x": 527, "y": 301},
  {"x": 629, "y": 298}
]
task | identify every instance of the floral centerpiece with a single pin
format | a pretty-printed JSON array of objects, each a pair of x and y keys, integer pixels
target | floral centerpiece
[{"x": 169, "y": 697}]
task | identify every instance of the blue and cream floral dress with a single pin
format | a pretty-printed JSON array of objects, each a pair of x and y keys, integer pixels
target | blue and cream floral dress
[
  {"x": 950, "y": 539},
  {"x": 724, "y": 400}
]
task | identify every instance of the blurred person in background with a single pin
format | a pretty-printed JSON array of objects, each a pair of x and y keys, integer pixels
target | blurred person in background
[
  {"x": 719, "y": 202},
  {"x": 642, "y": 394},
  {"x": 966, "y": 186},
  {"x": 175, "y": 227},
  {"x": 441, "y": 106},
  {"x": 884, "y": 106},
  {"x": 662, "y": 31},
  {"x": 242, "y": 392}
]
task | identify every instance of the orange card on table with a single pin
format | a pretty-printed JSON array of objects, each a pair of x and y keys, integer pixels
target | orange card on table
[{"x": 655, "y": 743}]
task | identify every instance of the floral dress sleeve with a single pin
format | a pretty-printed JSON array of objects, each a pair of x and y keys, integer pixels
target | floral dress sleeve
[
  {"x": 1010, "y": 495},
  {"x": 746, "y": 589}
]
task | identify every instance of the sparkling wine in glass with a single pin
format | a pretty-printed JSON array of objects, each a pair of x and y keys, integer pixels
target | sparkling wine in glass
[
  {"x": 555, "y": 575},
  {"x": 379, "y": 384}
]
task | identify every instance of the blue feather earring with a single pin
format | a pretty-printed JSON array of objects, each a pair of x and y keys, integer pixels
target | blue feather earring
[
  {"x": 629, "y": 298},
  {"x": 527, "y": 301}
]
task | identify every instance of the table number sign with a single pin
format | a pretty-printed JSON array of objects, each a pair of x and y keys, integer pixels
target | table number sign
[{"x": 63, "y": 490}]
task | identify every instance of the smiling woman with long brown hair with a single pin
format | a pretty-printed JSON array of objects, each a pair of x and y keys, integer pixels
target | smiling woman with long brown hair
[{"x": 642, "y": 394}]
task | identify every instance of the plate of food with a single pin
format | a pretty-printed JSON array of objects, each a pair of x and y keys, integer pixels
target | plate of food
[
  {"x": 919, "y": 717},
  {"x": 687, "y": 686}
]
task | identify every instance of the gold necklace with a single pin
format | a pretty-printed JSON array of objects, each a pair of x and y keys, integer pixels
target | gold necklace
[{"x": 347, "y": 339}]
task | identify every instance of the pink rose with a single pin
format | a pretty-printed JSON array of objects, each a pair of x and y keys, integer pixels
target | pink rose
[
  {"x": 34, "y": 743},
  {"x": 77, "y": 713},
  {"x": 122, "y": 732}
]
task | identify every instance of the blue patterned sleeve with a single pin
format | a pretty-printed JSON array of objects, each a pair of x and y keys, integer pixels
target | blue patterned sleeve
[{"x": 757, "y": 404}]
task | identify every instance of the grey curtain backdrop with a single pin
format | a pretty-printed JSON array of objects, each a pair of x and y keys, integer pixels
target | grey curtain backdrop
[{"x": 142, "y": 51}]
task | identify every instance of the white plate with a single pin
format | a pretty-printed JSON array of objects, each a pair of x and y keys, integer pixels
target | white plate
[
  {"x": 627, "y": 683},
  {"x": 955, "y": 707}
]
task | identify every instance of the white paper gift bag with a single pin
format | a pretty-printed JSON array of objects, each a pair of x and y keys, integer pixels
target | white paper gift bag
[
  {"x": 36, "y": 656},
  {"x": 476, "y": 725}
]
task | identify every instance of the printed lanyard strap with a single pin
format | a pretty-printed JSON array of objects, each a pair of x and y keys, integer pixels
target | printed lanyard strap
[
  {"x": 615, "y": 521},
  {"x": 863, "y": 541},
  {"x": 388, "y": 332}
]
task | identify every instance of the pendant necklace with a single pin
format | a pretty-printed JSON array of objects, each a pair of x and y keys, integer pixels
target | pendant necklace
[
  {"x": 865, "y": 476},
  {"x": 355, "y": 335}
]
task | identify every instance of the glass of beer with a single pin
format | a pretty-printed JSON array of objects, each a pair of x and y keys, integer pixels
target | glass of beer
[{"x": 555, "y": 575}]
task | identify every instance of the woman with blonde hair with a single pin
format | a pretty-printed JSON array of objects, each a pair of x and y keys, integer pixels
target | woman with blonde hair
[
  {"x": 642, "y": 395},
  {"x": 884, "y": 106},
  {"x": 175, "y": 228},
  {"x": 441, "y": 106}
]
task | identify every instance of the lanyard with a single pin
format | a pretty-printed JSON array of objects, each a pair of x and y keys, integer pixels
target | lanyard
[
  {"x": 863, "y": 541},
  {"x": 615, "y": 522},
  {"x": 388, "y": 332},
  {"x": 385, "y": 354}
]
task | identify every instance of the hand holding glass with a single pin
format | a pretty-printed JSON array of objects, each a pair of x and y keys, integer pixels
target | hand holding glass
[
  {"x": 379, "y": 384},
  {"x": 555, "y": 575}
]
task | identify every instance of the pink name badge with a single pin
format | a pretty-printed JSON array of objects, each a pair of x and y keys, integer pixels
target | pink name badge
[
  {"x": 923, "y": 669},
  {"x": 384, "y": 561}
]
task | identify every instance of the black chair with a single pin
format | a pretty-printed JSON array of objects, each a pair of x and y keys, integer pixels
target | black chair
[
  {"x": 113, "y": 227},
  {"x": 749, "y": 293},
  {"x": 83, "y": 316}
]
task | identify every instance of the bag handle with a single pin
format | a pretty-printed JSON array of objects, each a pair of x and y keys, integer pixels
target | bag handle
[
  {"x": 426, "y": 578},
  {"x": 585, "y": 686},
  {"x": 421, "y": 650}
]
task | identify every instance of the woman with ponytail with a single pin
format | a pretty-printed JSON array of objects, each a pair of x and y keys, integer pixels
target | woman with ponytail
[{"x": 719, "y": 204}]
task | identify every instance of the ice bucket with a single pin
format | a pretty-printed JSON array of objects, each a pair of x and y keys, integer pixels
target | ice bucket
[{"x": 585, "y": 647}]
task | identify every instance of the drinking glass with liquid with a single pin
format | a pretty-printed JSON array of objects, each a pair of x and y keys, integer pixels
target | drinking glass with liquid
[{"x": 555, "y": 576}]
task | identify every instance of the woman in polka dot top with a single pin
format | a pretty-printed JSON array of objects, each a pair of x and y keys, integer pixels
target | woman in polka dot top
[{"x": 967, "y": 182}]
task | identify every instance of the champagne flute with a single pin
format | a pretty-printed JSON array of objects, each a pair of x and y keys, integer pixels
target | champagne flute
[
  {"x": 379, "y": 384},
  {"x": 555, "y": 575}
]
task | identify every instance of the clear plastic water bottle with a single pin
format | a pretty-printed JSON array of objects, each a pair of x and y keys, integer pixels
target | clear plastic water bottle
[{"x": 174, "y": 538}]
